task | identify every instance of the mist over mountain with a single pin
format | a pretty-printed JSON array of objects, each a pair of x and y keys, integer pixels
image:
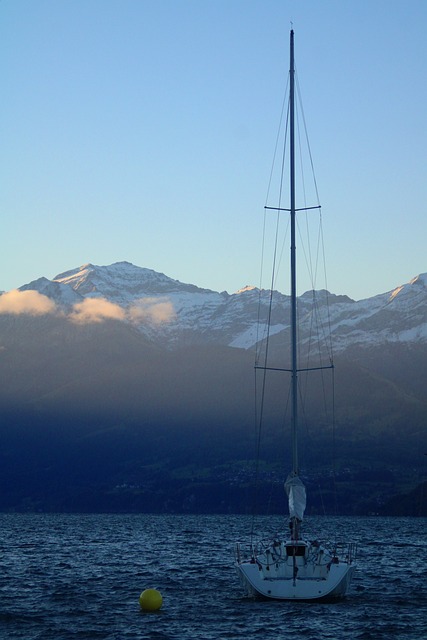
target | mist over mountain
[{"x": 124, "y": 389}]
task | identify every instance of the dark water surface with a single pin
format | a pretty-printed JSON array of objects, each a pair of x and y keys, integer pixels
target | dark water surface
[{"x": 80, "y": 576}]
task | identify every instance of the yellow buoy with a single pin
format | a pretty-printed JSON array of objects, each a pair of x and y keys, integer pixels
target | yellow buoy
[{"x": 150, "y": 600}]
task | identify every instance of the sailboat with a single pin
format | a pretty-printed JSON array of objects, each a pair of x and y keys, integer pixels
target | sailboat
[{"x": 290, "y": 567}]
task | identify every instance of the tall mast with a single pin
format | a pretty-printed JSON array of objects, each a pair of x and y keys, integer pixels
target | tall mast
[{"x": 293, "y": 261}]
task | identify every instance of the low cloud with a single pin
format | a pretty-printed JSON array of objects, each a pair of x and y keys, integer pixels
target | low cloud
[
  {"x": 28, "y": 302},
  {"x": 153, "y": 310},
  {"x": 93, "y": 310}
]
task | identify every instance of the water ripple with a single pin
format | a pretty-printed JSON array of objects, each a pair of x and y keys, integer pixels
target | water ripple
[{"x": 66, "y": 577}]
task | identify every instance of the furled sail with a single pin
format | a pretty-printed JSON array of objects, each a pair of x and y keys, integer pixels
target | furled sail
[{"x": 295, "y": 491}]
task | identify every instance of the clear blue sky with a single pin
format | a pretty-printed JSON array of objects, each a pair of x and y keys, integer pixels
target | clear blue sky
[{"x": 143, "y": 130}]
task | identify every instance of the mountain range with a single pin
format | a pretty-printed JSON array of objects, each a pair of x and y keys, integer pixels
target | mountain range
[
  {"x": 124, "y": 389},
  {"x": 167, "y": 310}
]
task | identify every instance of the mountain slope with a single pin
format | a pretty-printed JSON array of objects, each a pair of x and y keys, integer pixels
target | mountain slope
[{"x": 125, "y": 389}]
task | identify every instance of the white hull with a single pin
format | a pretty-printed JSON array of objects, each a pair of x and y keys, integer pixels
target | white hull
[{"x": 296, "y": 571}]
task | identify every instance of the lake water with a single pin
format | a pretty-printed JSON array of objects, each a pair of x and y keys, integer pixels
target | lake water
[{"x": 80, "y": 576}]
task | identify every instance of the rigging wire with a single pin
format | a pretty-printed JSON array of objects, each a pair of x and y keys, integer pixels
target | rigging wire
[
  {"x": 285, "y": 103},
  {"x": 259, "y": 418},
  {"x": 300, "y": 103},
  {"x": 265, "y": 341}
]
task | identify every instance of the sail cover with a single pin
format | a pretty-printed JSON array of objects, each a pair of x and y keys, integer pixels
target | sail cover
[{"x": 295, "y": 490}]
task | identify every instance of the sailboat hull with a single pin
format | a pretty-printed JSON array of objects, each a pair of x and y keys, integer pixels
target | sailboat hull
[
  {"x": 313, "y": 574},
  {"x": 256, "y": 585}
]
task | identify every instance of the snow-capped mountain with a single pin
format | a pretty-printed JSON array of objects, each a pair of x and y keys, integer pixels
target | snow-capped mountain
[
  {"x": 121, "y": 282},
  {"x": 177, "y": 314}
]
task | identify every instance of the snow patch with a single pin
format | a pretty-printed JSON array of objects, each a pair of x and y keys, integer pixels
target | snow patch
[{"x": 254, "y": 334}]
